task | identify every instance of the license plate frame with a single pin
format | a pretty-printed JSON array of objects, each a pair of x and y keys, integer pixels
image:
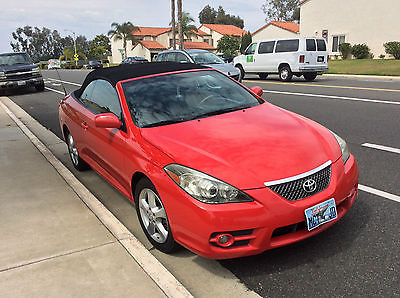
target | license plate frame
[
  {"x": 320, "y": 214},
  {"x": 21, "y": 83}
]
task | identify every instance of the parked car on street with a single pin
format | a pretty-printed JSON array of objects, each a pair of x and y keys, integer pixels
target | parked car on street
[
  {"x": 18, "y": 71},
  {"x": 305, "y": 57},
  {"x": 133, "y": 60},
  {"x": 53, "y": 64},
  {"x": 207, "y": 162},
  {"x": 94, "y": 65},
  {"x": 202, "y": 57}
]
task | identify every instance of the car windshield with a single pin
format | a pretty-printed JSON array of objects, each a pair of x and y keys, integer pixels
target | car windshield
[
  {"x": 14, "y": 58},
  {"x": 180, "y": 97},
  {"x": 206, "y": 58}
]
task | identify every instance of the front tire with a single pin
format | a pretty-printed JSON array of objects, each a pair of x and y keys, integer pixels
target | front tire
[
  {"x": 40, "y": 87},
  {"x": 241, "y": 73},
  {"x": 310, "y": 76},
  {"x": 77, "y": 161},
  {"x": 285, "y": 74},
  {"x": 153, "y": 217}
]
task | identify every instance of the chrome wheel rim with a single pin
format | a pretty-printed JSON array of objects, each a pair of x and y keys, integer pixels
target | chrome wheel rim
[
  {"x": 153, "y": 215},
  {"x": 73, "y": 152},
  {"x": 284, "y": 74},
  {"x": 240, "y": 73}
]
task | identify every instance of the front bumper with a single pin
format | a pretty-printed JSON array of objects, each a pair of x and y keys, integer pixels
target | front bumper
[
  {"x": 268, "y": 222},
  {"x": 21, "y": 83}
]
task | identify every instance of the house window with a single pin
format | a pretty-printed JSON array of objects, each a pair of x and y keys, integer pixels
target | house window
[
  {"x": 207, "y": 41},
  {"x": 337, "y": 40}
]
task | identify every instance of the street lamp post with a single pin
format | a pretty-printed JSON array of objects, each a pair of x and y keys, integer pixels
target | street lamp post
[{"x": 76, "y": 62}]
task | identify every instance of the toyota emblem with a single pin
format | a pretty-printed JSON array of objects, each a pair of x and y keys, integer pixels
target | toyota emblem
[{"x": 309, "y": 185}]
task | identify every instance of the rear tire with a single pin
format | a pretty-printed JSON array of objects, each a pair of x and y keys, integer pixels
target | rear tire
[
  {"x": 241, "y": 71},
  {"x": 285, "y": 74},
  {"x": 263, "y": 75},
  {"x": 310, "y": 76},
  {"x": 77, "y": 161},
  {"x": 153, "y": 217}
]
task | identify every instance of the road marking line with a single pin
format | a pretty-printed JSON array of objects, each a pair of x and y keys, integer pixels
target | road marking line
[
  {"x": 66, "y": 82},
  {"x": 326, "y": 86},
  {"x": 381, "y": 147},
  {"x": 54, "y": 90},
  {"x": 379, "y": 193},
  {"x": 153, "y": 268},
  {"x": 335, "y": 97}
]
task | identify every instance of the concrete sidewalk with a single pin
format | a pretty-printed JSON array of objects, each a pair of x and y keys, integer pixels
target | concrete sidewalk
[{"x": 51, "y": 243}]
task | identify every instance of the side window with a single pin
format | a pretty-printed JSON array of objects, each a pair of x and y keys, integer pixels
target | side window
[
  {"x": 290, "y": 45},
  {"x": 321, "y": 45},
  {"x": 161, "y": 57},
  {"x": 103, "y": 99},
  {"x": 310, "y": 45},
  {"x": 251, "y": 49},
  {"x": 169, "y": 57},
  {"x": 181, "y": 58},
  {"x": 87, "y": 93},
  {"x": 266, "y": 47}
]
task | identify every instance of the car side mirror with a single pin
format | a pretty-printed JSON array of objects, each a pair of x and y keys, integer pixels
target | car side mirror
[
  {"x": 257, "y": 91},
  {"x": 108, "y": 120}
]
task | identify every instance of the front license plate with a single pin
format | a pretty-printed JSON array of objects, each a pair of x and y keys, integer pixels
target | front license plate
[
  {"x": 21, "y": 83},
  {"x": 320, "y": 214}
]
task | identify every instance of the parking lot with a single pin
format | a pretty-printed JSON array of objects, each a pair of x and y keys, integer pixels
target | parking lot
[{"x": 358, "y": 256}]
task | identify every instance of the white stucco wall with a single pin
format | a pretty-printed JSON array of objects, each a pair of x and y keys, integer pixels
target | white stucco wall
[
  {"x": 361, "y": 21},
  {"x": 116, "y": 45},
  {"x": 141, "y": 51},
  {"x": 272, "y": 31}
]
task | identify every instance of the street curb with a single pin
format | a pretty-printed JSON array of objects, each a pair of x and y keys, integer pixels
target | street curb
[
  {"x": 395, "y": 78},
  {"x": 153, "y": 268}
]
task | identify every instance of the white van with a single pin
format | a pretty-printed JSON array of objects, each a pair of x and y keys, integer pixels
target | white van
[{"x": 306, "y": 57}]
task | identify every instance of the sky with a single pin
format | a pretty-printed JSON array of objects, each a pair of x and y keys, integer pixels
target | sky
[{"x": 90, "y": 18}]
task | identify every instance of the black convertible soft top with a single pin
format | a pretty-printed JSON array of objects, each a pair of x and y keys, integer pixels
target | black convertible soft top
[{"x": 129, "y": 71}]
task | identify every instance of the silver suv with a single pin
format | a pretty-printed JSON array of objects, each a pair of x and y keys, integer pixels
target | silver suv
[{"x": 201, "y": 57}]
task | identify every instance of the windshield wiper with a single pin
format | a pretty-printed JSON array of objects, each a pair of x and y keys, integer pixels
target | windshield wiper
[
  {"x": 223, "y": 111},
  {"x": 165, "y": 122}
]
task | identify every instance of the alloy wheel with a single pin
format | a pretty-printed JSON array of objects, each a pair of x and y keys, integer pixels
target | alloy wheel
[{"x": 73, "y": 152}]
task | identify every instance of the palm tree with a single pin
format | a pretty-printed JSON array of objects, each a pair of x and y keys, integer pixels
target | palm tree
[
  {"x": 187, "y": 24},
  {"x": 123, "y": 32},
  {"x": 179, "y": 2},
  {"x": 173, "y": 24}
]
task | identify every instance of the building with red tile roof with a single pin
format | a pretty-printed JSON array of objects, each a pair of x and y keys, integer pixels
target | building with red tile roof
[{"x": 277, "y": 29}]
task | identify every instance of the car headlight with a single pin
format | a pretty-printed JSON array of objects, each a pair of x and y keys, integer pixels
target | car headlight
[
  {"x": 203, "y": 187},
  {"x": 343, "y": 147},
  {"x": 36, "y": 69}
]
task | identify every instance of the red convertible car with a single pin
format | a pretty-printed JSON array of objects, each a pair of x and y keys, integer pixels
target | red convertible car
[{"x": 207, "y": 162}]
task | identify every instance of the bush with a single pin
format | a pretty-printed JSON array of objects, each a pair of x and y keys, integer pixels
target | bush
[
  {"x": 393, "y": 48},
  {"x": 345, "y": 49},
  {"x": 361, "y": 51}
]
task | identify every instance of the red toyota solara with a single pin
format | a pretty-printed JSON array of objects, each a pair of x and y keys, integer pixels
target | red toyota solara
[{"x": 207, "y": 162}]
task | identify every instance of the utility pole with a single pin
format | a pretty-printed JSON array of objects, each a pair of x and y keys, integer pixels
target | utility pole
[
  {"x": 173, "y": 24},
  {"x": 76, "y": 62},
  {"x": 180, "y": 24}
]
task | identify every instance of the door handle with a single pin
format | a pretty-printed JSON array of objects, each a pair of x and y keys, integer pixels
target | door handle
[{"x": 84, "y": 125}]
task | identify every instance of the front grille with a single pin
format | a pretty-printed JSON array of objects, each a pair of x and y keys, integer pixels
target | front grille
[
  {"x": 17, "y": 77},
  {"x": 294, "y": 191}
]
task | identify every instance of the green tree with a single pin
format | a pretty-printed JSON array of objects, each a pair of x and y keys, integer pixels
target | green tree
[
  {"x": 40, "y": 44},
  {"x": 228, "y": 45},
  {"x": 207, "y": 15},
  {"x": 393, "y": 48},
  {"x": 100, "y": 47},
  {"x": 245, "y": 42},
  {"x": 210, "y": 16},
  {"x": 123, "y": 32},
  {"x": 187, "y": 24},
  {"x": 281, "y": 10}
]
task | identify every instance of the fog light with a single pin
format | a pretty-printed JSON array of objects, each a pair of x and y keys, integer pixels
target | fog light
[{"x": 225, "y": 240}]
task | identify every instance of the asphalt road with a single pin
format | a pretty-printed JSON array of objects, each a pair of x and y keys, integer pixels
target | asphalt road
[{"x": 359, "y": 256}]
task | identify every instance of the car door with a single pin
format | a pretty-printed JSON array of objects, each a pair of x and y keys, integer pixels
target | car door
[
  {"x": 264, "y": 58},
  {"x": 106, "y": 146},
  {"x": 249, "y": 58}
]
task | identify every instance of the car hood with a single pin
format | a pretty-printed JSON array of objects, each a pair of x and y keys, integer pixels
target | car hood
[
  {"x": 248, "y": 147},
  {"x": 7, "y": 68},
  {"x": 225, "y": 68}
]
